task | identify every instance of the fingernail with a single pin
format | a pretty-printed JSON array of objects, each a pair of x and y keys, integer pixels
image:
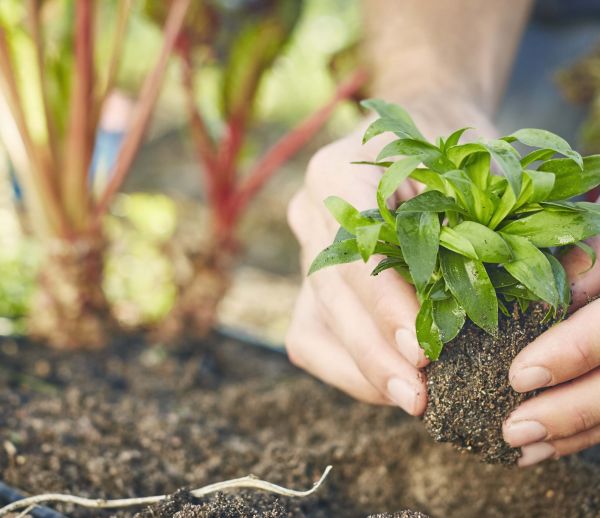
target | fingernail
[
  {"x": 530, "y": 378},
  {"x": 520, "y": 433},
  {"x": 534, "y": 453},
  {"x": 403, "y": 394},
  {"x": 408, "y": 345}
]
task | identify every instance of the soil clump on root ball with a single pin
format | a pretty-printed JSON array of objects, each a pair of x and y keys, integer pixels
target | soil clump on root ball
[{"x": 468, "y": 388}]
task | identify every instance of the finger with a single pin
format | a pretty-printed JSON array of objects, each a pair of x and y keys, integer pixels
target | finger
[
  {"x": 560, "y": 412},
  {"x": 539, "y": 451},
  {"x": 577, "y": 442},
  {"x": 386, "y": 369},
  {"x": 585, "y": 281},
  {"x": 564, "y": 352},
  {"x": 389, "y": 300},
  {"x": 312, "y": 347}
]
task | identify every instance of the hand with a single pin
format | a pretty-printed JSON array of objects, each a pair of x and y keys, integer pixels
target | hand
[
  {"x": 565, "y": 418},
  {"x": 353, "y": 331}
]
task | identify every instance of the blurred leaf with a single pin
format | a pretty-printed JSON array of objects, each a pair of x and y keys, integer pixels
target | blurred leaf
[
  {"x": 562, "y": 282},
  {"x": 589, "y": 251}
]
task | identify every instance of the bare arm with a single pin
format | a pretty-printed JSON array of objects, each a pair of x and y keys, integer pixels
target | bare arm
[{"x": 456, "y": 49}]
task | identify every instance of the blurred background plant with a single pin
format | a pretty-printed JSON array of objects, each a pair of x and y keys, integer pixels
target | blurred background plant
[
  {"x": 239, "y": 43},
  {"x": 580, "y": 83},
  {"x": 53, "y": 92},
  {"x": 144, "y": 253}
]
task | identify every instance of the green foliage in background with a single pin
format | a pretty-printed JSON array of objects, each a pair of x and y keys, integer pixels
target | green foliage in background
[
  {"x": 581, "y": 84},
  {"x": 472, "y": 243}
]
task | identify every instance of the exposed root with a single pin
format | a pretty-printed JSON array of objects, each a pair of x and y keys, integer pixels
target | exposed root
[{"x": 249, "y": 481}]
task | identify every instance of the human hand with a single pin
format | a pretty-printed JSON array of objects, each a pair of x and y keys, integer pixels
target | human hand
[
  {"x": 348, "y": 329},
  {"x": 563, "y": 419}
]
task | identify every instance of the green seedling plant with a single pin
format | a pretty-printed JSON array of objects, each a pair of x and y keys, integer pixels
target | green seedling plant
[{"x": 473, "y": 243}]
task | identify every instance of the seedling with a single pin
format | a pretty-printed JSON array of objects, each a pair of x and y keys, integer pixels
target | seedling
[{"x": 473, "y": 242}]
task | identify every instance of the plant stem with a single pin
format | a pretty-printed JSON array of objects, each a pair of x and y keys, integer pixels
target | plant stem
[
  {"x": 100, "y": 503},
  {"x": 80, "y": 138},
  {"x": 291, "y": 143},
  {"x": 143, "y": 111}
]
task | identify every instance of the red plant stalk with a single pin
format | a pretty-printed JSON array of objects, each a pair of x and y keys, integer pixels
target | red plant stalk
[
  {"x": 143, "y": 111},
  {"x": 80, "y": 139},
  {"x": 283, "y": 150}
]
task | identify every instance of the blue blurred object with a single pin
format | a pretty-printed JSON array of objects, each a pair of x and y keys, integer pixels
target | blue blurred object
[{"x": 106, "y": 150}]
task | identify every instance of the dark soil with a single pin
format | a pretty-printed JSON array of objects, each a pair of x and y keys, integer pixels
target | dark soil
[
  {"x": 140, "y": 421},
  {"x": 469, "y": 392}
]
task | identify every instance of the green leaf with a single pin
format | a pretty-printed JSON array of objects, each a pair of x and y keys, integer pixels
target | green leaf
[
  {"x": 489, "y": 245},
  {"x": 366, "y": 239},
  {"x": 546, "y": 140},
  {"x": 509, "y": 161},
  {"x": 501, "y": 278},
  {"x": 470, "y": 284},
  {"x": 477, "y": 202},
  {"x": 395, "y": 119},
  {"x": 431, "y": 179},
  {"x": 454, "y": 138},
  {"x": 537, "y": 155},
  {"x": 458, "y": 153},
  {"x": 384, "y": 164},
  {"x": 477, "y": 166},
  {"x": 346, "y": 215},
  {"x": 387, "y": 263},
  {"x": 589, "y": 251},
  {"x": 537, "y": 186},
  {"x": 430, "y": 201},
  {"x": 458, "y": 243},
  {"x": 570, "y": 179},
  {"x": 390, "y": 181},
  {"x": 531, "y": 267},
  {"x": 408, "y": 147},
  {"x": 503, "y": 209},
  {"x": 548, "y": 228},
  {"x": 419, "y": 235},
  {"x": 341, "y": 252},
  {"x": 428, "y": 333},
  {"x": 449, "y": 317},
  {"x": 562, "y": 282}
]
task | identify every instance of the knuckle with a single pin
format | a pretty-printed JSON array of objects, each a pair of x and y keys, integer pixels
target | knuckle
[
  {"x": 582, "y": 419},
  {"x": 584, "y": 355}
]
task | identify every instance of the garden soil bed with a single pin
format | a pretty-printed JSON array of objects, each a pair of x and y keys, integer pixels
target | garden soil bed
[{"x": 138, "y": 420}]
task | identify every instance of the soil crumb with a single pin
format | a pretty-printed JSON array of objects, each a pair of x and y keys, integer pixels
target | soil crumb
[
  {"x": 139, "y": 420},
  {"x": 183, "y": 505},
  {"x": 400, "y": 514},
  {"x": 469, "y": 392}
]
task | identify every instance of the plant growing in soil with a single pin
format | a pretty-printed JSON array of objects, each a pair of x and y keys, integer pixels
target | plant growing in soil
[
  {"x": 242, "y": 44},
  {"x": 481, "y": 251},
  {"x": 51, "y": 96}
]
